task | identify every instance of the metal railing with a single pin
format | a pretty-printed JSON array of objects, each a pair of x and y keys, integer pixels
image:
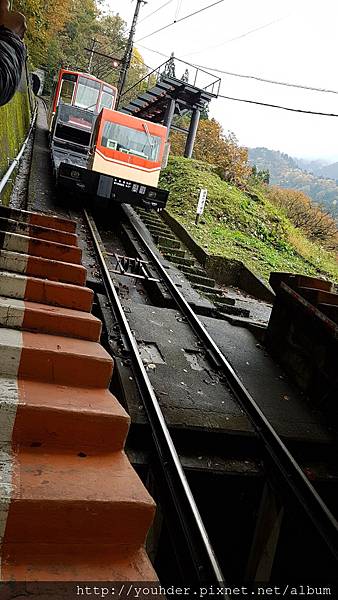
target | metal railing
[
  {"x": 6, "y": 178},
  {"x": 180, "y": 70}
]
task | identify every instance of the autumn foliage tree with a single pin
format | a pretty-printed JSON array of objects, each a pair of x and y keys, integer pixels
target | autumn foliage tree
[
  {"x": 214, "y": 146},
  {"x": 45, "y": 21},
  {"x": 59, "y": 32},
  {"x": 313, "y": 220}
]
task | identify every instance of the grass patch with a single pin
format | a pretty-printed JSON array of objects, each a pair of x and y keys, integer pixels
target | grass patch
[{"x": 241, "y": 225}]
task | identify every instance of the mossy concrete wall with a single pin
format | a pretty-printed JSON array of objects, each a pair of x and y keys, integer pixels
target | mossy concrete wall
[
  {"x": 224, "y": 270},
  {"x": 14, "y": 125}
]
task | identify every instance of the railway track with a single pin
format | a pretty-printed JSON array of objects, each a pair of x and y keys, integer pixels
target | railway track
[
  {"x": 250, "y": 442},
  {"x": 281, "y": 469}
]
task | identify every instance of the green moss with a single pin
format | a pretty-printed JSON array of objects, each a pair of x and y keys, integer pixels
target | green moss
[
  {"x": 241, "y": 225},
  {"x": 14, "y": 124}
]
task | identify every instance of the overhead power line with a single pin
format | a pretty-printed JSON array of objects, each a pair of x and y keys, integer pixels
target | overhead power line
[
  {"x": 255, "y": 77},
  {"x": 179, "y": 20},
  {"x": 237, "y": 37},
  {"x": 141, "y": 61},
  {"x": 154, "y": 51},
  {"x": 179, "y": 5},
  {"x": 155, "y": 11},
  {"x": 272, "y": 81},
  {"x": 297, "y": 110}
]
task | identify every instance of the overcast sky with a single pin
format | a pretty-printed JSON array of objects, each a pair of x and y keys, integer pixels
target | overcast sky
[{"x": 298, "y": 45}]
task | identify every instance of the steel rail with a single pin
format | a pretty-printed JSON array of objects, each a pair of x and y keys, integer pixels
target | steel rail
[
  {"x": 202, "y": 553},
  {"x": 292, "y": 474},
  {"x": 7, "y": 176}
]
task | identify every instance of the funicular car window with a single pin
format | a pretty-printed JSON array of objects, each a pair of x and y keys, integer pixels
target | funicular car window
[
  {"x": 131, "y": 141},
  {"x": 107, "y": 99},
  {"x": 67, "y": 89},
  {"x": 87, "y": 93}
]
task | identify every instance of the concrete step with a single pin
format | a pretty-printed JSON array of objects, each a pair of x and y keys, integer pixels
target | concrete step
[
  {"x": 205, "y": 289},
  {"x": 54, "y": 416},
  {"x": 152, "y": 220},
  {"x": 41, "y": 248},
  {"x": 54, "y": 359},
  {"x": 194, "y": 270},
  {"x": 220, "y": 299},
  {"x": 76, "y": 498},
  {"x": 41, "y": 233},
  {"x": 232, "y": 310},
  {"x": 43, "y": 268},
  {"x": 32, "y": 316},
  {"x": 52, "y": 293},
  {"x": 172, "y": 252},
  {"x": 72, "y": 505},
  {"x": 165, "y": 242},
  {"x": 32, "y": 218},
  {"x": 207, "y": 281},
  {"x": 162, "y": 231},
  {"x": 179, "y": 260},
  {"x": 95, "y": 562}
]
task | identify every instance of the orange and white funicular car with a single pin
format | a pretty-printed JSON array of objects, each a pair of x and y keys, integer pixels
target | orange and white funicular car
[{"x": 124, "y": 161}]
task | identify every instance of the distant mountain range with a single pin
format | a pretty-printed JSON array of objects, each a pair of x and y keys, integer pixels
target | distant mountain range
[
  {"x": 317, "y": 167},
  {"x": 315, "y": 178}
]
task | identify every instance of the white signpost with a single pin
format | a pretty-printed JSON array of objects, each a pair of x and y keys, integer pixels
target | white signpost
[{"x": 201, "y": 204}]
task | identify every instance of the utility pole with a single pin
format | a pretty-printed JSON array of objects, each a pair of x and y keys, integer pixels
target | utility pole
[
  {"x": 91, "y": 55},
  {"x": 129, "y": 50}
]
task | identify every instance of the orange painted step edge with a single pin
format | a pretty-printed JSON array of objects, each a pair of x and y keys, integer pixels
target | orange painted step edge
[
  {"x": 59, "y": 294},
  {"x": 52, "y": 222},
  {"x": 75, "y": 562},
  {"x": 65, "y": 361},
  {"x": 59, "y": 417},
  {"x": 52, "y": 235},
  {"x": 54, "y": 250},
  {"x": 42, "y": 319},
  {"x": 51, "y": 495},
  {"x": 56, "y": 270}
]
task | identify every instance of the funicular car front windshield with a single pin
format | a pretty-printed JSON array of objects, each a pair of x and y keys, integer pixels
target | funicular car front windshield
[
  {"x": 131, "y": 141},
  {"x": 87, "y": 93},
  {"x": 107, "y": 98}
]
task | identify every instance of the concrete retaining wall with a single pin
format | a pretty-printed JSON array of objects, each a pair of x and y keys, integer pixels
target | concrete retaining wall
[
  {"x": 224, "y": 270},
  {"x": 14, "y": 124}
]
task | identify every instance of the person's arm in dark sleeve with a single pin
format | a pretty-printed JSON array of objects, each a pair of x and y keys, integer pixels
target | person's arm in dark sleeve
[
  {"x": 12, "y": 50},
  {"x": 12, "y": 59}
]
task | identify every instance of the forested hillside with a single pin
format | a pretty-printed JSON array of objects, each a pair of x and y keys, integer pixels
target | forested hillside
[
  {"x": 285, "y": 172},
  {"x": 330, "y": 171},
  {"x": 244, "y": 224},
  {"x": 59, "y": 33},
  {"x": 319, "y": 167}
]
